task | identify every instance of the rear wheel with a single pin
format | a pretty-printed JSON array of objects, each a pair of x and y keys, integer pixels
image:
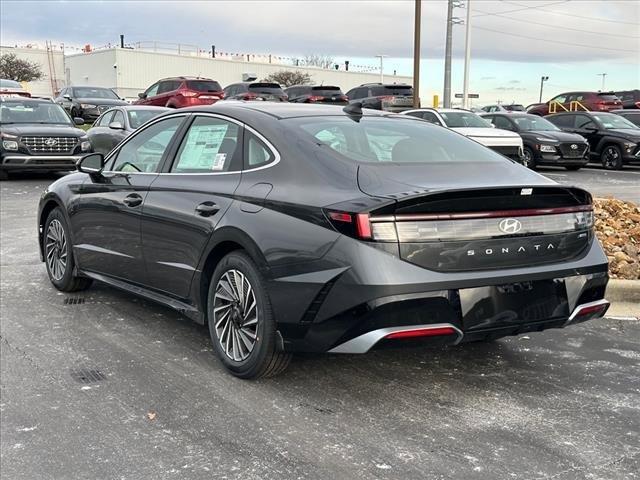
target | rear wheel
[
  {"x": 611, "y": 157},
  {"x": 241, "y": 322},
  {"x": 58, "y": 255},
  {"x": 528, "y": 158}
]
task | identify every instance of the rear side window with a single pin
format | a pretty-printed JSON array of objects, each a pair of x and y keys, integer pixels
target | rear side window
[
  {"x": 256, "y": 153},
  {"x": 203, "y": 85},
  {"x": 168, "y": 86},
  {"x": 582, "y": 121},
  {"x": 502, "y": 123},
  {"x": 118, "y": 117},
  {"x": 210, "y": 145},
  {"x": 143, "y": 152}
]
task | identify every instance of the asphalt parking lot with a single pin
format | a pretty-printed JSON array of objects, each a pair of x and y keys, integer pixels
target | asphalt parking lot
[{"x": 102, "y": 385}]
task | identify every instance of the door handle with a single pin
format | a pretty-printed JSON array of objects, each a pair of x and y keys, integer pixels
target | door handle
[
  {"x": 207, "y": 209},
  {"x": 132, "y": 200}
]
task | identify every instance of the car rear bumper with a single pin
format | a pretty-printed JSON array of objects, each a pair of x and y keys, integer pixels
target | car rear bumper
[
  {"x": 39, "y": 162},
  {"x": 356, "y": 308}
]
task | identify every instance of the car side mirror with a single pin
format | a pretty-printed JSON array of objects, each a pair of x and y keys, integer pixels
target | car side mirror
[
  {"x": 116, "y": 126},
  {"x": 78, "y": 120},
  {"x": 142, "y": 95},
  {"x": 91, "y": 163},
  {"x": 66, "y": 96}
]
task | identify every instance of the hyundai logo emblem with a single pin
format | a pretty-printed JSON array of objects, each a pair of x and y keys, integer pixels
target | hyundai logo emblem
[
  {"x": 574, "y": 146},
  {"x": 50, "y": 142},
  {"x": 510, "y": 225}
]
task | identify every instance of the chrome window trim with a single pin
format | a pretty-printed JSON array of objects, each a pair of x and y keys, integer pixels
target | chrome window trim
[{"x": 269, "y": 145}]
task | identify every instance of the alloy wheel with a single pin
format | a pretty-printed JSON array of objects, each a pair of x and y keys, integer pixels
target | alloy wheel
[
  {"x": 235, "y": 314},
  {"x": 610, "y": 157},
  {"x": 527, "y": 159},
  {"x": 56, "y": 250}
]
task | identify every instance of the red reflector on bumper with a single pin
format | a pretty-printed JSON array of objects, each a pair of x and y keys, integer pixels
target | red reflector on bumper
[{"x": 422, "y": 332}]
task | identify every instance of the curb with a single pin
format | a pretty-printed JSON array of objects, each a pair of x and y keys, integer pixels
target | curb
[{"x": 627, "y": 291}]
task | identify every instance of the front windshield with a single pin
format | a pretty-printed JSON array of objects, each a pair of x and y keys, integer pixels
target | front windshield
[
  {"x": 391, "y": 140},
  {"x": 92, "y": 92},
  {"x": 534, "y": 123},
  {"x": 611, "y": 120},
  {"x": 32, "y": 112},
  {"x": 138, "y": 117},
  {"x": 464, "y": 119}
]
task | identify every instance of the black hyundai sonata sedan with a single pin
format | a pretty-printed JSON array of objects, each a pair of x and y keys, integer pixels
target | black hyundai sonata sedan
[{"x": 288, "y": 228}]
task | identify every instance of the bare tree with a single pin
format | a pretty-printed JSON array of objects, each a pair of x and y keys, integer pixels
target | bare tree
[
  {"x": 315, "y": 60},
  {"x": 288, "y": 78},
  {"x": 14, "y": 68}
]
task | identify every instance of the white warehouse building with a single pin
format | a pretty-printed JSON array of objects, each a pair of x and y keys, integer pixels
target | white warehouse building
[{"x": 130, "y": 71}]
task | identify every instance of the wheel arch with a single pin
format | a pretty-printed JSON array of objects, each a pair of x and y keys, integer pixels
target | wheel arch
[
  {"x": 223, "y": 242},
  {"x": 606, "y": 141},
  {"x": 48, "y": 206}
]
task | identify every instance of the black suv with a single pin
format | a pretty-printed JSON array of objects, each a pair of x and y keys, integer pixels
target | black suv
[
  {"x": 629, "y": 98},
  {"x": 391, "y": 97},
  {"x": 88, "y": 103},
  {"x": 543, "y": 142},
  {"x": 614, "y": 140},
  {"x": 38, "y": 135},
  {"x": 316, "y": 94}
]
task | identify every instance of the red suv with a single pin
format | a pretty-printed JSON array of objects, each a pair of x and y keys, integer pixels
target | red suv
[
  {"x": 594, "y": 101},
  {"x": 178, "y": 92}
]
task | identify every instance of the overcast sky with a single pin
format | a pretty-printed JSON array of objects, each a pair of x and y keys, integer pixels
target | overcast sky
[{"x": 514, "y": 42}]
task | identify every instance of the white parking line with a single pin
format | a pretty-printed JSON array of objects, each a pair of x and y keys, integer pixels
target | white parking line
[{"x": 591, "y": 169}]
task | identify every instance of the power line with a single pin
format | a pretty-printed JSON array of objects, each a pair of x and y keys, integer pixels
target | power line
[
  {"x": 571, "y": 14},
  {"x": 501, "y": 14},
  {"x": 527, "y": 8},
  {"x": 555, "y": 41}
]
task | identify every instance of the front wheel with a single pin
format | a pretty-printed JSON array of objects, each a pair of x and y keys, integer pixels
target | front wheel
[
  {"x": 241, "y": 322},
  {"x": 58, "y": 255},
  {"x": 528, "y": 158},
  {"x": 611, "y": 157}
]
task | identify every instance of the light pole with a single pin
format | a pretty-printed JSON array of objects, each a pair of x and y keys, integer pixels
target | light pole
[
  {"x": 451, "y": 21},
  {"x": 467, "y": 58},
  {"x": 603, "y": 75},
  {"x": 381, "y": 57},
  {"x": 416, "y": 53},
  {"x": 542, "y": 80}
]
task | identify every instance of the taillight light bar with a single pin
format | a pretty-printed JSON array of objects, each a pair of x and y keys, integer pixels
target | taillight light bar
[
  {"x": 529, "y": 212},
  {"x": 421, "y": 332}
]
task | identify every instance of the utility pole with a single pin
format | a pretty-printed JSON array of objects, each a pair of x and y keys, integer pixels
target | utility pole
[
  {"x": 381, "y": 57},
  {"x": 542, "y": 80},
  {"x": 603, "y": 75},
  {"x": 416, "y": 53},
  {"x": 446, "y": 95},
  {"x": 467, "y": 58}
]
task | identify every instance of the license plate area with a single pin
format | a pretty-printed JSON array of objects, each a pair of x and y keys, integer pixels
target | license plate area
[{"x": 514, "y": 303}]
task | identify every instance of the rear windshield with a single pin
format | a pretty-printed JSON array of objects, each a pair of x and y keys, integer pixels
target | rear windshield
[
  {"x": 464, "y": 119},
  {"x": 138, "y": 117},
  {"x": 204, "y": 86},
  {"x": 9, "y": 84},
  {"x": 328, "y": 91},
  {"x": 272, "y": 88},
  {"x": 33, "y": 112},
  {"x": 90, "y": 92},
  {"x": 514, "y": 108},
  {"x": 391, "y": 140},
  {"x": 380, "y": 90}
]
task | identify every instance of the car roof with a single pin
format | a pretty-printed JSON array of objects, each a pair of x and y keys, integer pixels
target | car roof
[
  {"x": 185, "y": 78},
  {"x": 509, "y": 115},
  {"x": 139, "y": 107},
  {"x": 278, "y": 110}
]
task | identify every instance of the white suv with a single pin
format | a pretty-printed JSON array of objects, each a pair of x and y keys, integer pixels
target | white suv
[{"x": 475, "y": 127}]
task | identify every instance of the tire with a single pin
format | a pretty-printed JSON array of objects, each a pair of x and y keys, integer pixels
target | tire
[
  {"x": 611, "y": 157},
  {"x": 58, "y": 255},
  {"x": 529, "y": 158},
  {"x": 247, "y": 349},
  {"x": 573, "y": 168}
]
